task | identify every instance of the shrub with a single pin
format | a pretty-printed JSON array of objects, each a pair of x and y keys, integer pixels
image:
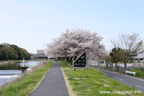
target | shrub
[{"x": 138, "y": 72}]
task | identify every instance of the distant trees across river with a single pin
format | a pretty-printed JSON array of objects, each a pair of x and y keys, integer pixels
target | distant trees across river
[{"x": 12, "y": 52}]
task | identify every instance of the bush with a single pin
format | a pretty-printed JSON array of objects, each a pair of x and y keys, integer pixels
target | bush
[
  {"x": 142, "y": 69},
  {"x": 138, "y": 72}
]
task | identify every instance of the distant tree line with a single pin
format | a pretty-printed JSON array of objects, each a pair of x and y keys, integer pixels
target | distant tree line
[{"x": 12, "y": 52}]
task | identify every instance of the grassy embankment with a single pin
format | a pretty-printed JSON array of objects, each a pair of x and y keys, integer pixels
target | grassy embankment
[
  {"x": 10, "y": 62},
  {"x": 91, "y": 82},
  {"x": 24, "y": 86}
]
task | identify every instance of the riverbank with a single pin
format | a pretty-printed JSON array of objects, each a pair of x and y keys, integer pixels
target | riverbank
[
  {"x": 17, "y": 61},
  {"x": 24, "y": 85},
  {"x": 92, "y": 82},
  {"x": 10, "y": 62}
]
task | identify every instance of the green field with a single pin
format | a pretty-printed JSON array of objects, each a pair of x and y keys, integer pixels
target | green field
[
  {"x": 25, "y": 85},
  {"x": 92, "y": 82}
]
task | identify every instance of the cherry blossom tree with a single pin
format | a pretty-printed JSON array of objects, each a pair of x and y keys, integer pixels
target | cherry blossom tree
[{"x": 74, "y": 42}]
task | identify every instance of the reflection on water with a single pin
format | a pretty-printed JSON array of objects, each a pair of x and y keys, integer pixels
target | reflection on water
[
  {"x": 31, "y": 63},
  {"x": 9, "y": 72},
  {"x": 15, "y": 66}
]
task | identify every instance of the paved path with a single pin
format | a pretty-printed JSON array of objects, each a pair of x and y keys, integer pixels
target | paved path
[
  {"x": 128, "y": 80},
  {"x": 53, "y": 84}
]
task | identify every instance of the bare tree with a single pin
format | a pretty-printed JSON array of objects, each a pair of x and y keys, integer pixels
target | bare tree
[{"x": 131, "y": 44}]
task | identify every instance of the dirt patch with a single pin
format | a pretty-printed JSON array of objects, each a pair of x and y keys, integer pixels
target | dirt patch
[
  {"x": 79, "y": 78},
  {"x": 105, "y": 85},
  {"x": 105, "y": 80},
  {"x": 67, "y": 69}
]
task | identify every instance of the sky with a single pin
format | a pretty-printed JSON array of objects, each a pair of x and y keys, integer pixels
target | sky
[{"x": 31, "y": 24}]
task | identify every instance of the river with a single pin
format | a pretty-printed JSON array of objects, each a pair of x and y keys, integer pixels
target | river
[{"x": 9, "y": 72}]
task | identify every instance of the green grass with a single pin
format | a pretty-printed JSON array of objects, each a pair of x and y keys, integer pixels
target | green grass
[
  {"x": 24, "y": 86},
  {"x": 90, "y": 82},
  {"x": 64, "y": 63}
]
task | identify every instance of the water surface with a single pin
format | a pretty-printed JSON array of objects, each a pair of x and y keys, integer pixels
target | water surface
[{"x": 9, "y": 72}]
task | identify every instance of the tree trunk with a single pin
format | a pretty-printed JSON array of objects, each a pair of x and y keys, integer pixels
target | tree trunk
[
  {"x": 116, "y": 66},
  {"x": 107, "y": 64},
  {"x": 125, "y": 66},
  {"x": 111, "y": 64},
  {"x": 125, "y": 61}
]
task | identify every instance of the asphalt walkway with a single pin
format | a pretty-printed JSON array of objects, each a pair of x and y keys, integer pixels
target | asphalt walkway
[{"x": 53, "y": 84}]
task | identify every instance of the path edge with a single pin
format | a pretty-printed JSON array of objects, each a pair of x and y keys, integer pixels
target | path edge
[
  {"x": 39, "y": 82},
  {"x": 69, "y": 87}
]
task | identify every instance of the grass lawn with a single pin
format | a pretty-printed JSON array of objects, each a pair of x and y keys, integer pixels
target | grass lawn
[
  {"x": 24, "y": 86},
  {"x": 92, "y": 82}
]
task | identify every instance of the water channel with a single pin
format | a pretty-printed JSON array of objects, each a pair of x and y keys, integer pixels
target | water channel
[{"x": 9, "y": 72}]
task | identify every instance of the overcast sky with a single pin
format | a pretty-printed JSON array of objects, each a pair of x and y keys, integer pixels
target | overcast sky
[{"x": 31, "y": 23}]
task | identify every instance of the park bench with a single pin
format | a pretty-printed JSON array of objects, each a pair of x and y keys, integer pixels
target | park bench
[{"x": 130, "y": 72}]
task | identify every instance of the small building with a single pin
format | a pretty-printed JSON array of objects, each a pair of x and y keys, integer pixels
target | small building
[
  {"x": 139, "y": 58},
  {"x": 40, "y": 52},
  {"x": 40, "y": 55},
  {"x": 95, "y": 62},
  {"x": 37, "y": 56}
]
